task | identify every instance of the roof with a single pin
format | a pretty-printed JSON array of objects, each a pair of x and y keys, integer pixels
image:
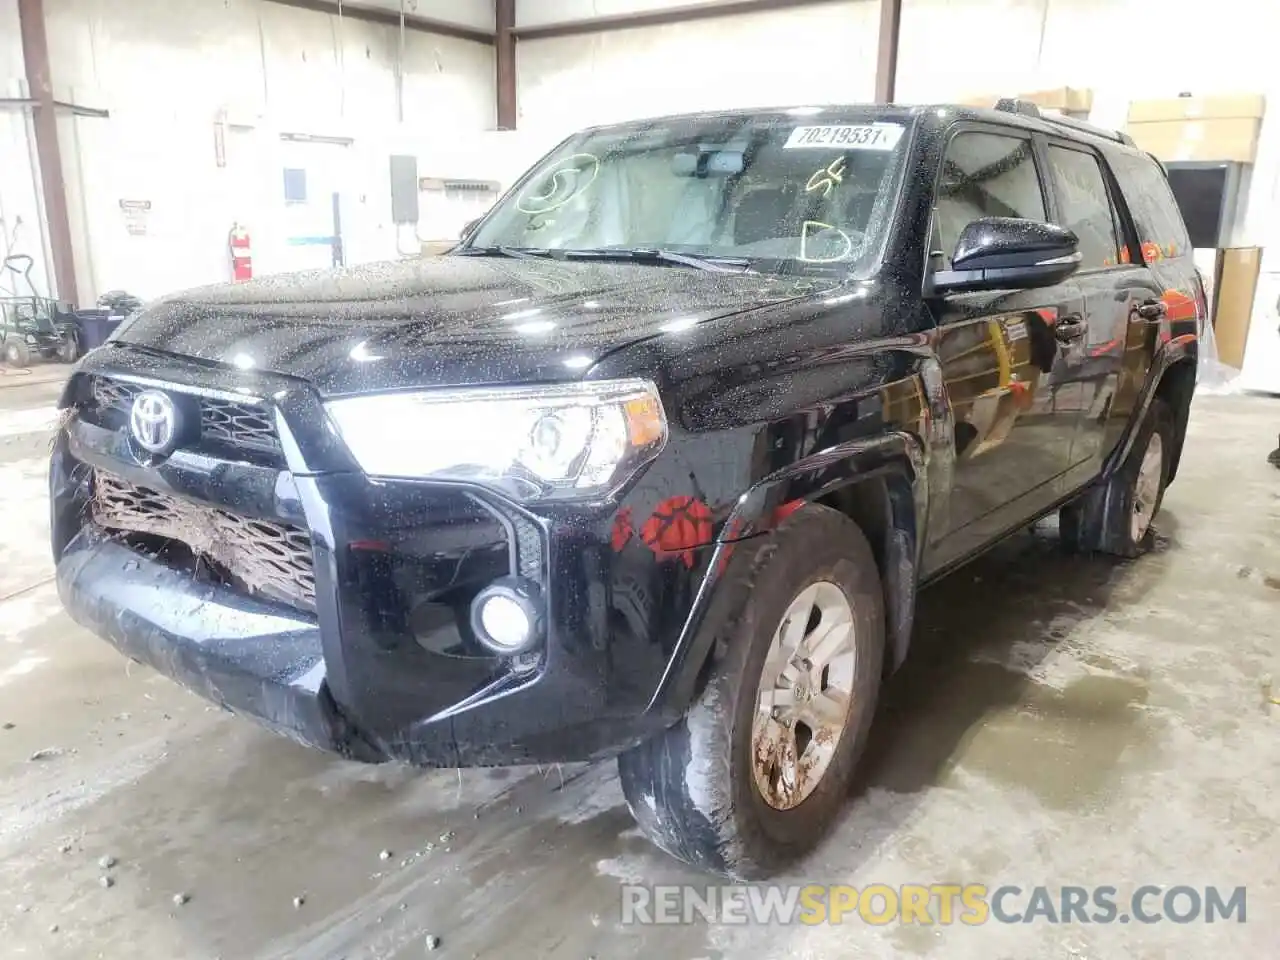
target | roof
[{"x": 1041, "y": 123}]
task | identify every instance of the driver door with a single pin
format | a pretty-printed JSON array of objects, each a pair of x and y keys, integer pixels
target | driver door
[{"x": 1003, "y": 354}]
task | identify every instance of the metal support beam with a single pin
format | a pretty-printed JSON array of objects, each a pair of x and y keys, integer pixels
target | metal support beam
[
  {"x": 26, "y": 103},
  {"x": 35, "y": 52},
  {"x": 663, "y": 17},
  {"x": 391, "y": 18},
  {"x": 505, "y": 62},
  {"x": 887, "y": 53}
]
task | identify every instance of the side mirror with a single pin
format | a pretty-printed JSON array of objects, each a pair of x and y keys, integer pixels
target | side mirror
[
  {"x": 1002, "y": 253},
  {"x": 469, "y": 229}
]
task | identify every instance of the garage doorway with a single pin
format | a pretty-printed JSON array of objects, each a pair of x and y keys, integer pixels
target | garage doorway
[{"x": 314, "y": 185}]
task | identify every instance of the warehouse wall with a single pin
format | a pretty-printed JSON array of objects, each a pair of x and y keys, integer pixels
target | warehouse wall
[
  {"x": 167, "y": 71},
  {"x": 468, "y": 13},
  {"x": 824, "y": 53}
]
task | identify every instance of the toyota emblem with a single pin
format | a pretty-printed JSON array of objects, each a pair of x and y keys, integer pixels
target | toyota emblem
[{"x": 153, "y": 421}]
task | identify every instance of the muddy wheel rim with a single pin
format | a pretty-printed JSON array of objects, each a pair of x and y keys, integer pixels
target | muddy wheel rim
[
  {"x": 806, "y": 689},
  {"x": 1146, "y": 490}
]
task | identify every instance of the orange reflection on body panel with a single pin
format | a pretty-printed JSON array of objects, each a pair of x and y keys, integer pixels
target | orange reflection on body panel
[{"x": 1178, "y": 305}]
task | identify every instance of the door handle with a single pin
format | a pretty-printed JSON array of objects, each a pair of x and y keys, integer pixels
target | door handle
[
  {"x": 1069, "y": 329},
  {"x": 1152, "y": 309}
]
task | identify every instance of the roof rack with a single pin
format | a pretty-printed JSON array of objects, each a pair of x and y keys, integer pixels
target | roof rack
[{"x": 1028, "y": 109}]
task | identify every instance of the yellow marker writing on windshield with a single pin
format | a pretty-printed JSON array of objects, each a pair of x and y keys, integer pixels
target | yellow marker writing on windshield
[
  {"x": 811, "y": 227},
  {"x": 827, "y": 178},
  {"x": 564, "y": 182}
]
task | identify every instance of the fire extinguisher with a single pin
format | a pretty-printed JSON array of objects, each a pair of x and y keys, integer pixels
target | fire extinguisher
[{"x": 241, "y": 254}]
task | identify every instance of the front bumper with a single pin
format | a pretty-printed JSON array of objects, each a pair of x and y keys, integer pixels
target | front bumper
[
  {"x": 384, "y": 665},
  {"x": 249, "y": 657}
]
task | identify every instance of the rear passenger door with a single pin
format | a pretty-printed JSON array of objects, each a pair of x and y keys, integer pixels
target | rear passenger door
[
  {"x": 1000, "y": 353},
  {"x": 1160, "y": 246},
  {"x": 1122, "y": 306}
]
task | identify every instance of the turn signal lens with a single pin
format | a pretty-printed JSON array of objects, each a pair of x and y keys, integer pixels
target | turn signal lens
[{"x": 645, "y": 421}]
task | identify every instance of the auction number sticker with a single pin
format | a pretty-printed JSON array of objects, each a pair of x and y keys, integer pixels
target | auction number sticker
[{"x": 863, "y": 136}]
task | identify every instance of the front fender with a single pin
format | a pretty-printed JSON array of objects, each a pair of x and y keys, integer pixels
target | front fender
[{"x": 892, "y": 464}]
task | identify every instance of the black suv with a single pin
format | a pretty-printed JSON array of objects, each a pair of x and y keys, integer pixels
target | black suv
[{"x": 654, "y": 462}]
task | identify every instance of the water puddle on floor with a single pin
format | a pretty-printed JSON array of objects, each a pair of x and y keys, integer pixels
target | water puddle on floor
[{"x": 1065, "y": 746}]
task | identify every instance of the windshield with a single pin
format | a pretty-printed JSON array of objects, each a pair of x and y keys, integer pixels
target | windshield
[{"x": 778, "y": 192}]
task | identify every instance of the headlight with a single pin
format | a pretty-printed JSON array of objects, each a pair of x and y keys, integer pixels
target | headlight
[{"x": 532, "y": 443}]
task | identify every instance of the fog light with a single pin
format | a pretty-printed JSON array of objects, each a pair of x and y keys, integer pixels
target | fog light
[
  {"x": 507, "y": 616},
  {"x": 505, "y": 623}
]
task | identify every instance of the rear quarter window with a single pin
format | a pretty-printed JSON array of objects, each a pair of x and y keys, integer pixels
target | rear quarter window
[{"x": 1161, "y": 232}]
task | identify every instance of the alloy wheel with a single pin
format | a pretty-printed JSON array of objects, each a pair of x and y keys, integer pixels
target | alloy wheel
[{"x": 805, "y": 691}]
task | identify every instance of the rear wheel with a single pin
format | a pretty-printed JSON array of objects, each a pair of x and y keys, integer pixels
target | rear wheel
[
  {"x": 16, "y": 352},
  {"x": 1115, "y": 516},
  {"x": 759, "y": 768}
]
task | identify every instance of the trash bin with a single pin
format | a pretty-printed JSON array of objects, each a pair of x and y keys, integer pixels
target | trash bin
[{"x": 95, "y": 327}]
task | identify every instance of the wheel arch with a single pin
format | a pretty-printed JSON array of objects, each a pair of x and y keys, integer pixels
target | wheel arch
[
  {"x": 1172, "y": 379},
  {"x": 878, "y": 482},
  {"x": 884, "y": 508},
  {"x": 1176, "y": 386}
]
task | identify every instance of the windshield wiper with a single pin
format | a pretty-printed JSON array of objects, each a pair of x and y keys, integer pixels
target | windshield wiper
[
  {"x": 635, "y": 254},
  {"x": 516, "y": 253},
  {"x": 657, "y": 255}
]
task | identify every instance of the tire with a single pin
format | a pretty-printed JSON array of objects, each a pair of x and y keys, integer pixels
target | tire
[
  {"x": 16, "y": 353},
  {"x": 696, "y": 790},
  {"x": 1115, "y": 515},
  {"x": 69, "y": 348}
]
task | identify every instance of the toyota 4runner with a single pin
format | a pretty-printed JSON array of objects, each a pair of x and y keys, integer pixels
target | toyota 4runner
[{"x": 653, "y": 464}]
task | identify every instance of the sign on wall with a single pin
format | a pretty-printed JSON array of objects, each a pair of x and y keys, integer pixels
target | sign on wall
[{"x": 136, "y": 214}]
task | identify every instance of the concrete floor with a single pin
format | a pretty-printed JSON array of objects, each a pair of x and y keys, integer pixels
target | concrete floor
[{"x": 1061, "y": 721}]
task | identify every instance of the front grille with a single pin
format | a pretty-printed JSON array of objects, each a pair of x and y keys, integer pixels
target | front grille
[
  {"x": 268, "y": 557},
  {"x": 238, "y": 424},
  {"x": 246, "y": 424},
  {"x": 114, "y": 394}
]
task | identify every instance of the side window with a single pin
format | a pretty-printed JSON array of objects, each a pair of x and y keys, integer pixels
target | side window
[
  {"x": 1155, "y": 212},
  {"x": 1084, "y": 206},
  {"x": 985, "y": 175}
]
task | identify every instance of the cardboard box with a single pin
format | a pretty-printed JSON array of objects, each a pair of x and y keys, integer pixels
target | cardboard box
[
  {"x": 1224, "y": 107},
  {"x": 1236, "y": 288},
  {"x": 1072, "y": 101},
  {"x": 1219, "y": 139}
]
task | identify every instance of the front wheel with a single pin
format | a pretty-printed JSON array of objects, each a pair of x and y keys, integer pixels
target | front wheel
[{"x": 759, "y": 768}]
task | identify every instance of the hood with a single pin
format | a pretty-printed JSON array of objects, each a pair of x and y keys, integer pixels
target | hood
[{"x": 449, "y": 320}]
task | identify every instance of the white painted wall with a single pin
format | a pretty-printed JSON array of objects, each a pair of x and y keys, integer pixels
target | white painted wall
[
  {"x": 167, "y": 70},
  {"x": 541, "y": 13},
  {"x": 822, "y": 53},
  {"x": 468, "y": 13}
]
